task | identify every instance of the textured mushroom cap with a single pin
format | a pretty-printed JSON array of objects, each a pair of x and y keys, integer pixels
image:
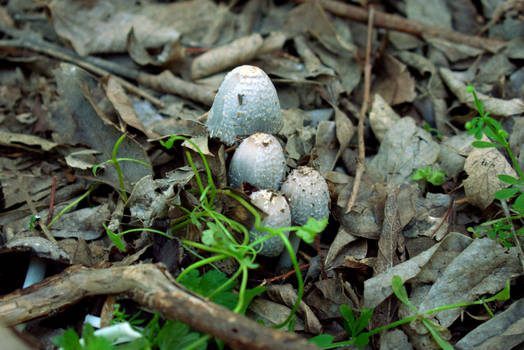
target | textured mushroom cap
[
  {"x": 246, "y": 103},
  {"x": 278, "y": 215},
  {"x": 308, "y": 194},
  {"x": 258, "y": 160}
]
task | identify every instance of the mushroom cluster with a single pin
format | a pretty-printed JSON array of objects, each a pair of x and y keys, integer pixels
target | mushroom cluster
[{"x": 247, "y": 104}]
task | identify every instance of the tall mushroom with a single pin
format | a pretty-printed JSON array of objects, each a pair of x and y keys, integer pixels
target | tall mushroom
[{"x": 246, "y": 103}]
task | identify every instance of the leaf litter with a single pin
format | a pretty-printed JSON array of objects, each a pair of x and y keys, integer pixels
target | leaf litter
[{"x": 78, "y": 79}]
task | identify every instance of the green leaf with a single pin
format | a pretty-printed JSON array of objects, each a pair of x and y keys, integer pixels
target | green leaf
[
  {"x": 209, "y": 236},
  {"x": 322, "y": 340},
  {"x": 520, "y": 231},
  {"x": 349, "y": 319},
  {"x": 249, "y": 295},
  {"x": 510, "y": 179},
  {"x": 437, "y": 177},
  {"x": 418, "y": 175},
  {"x": 363, "y": 319},
  {"x": 505, "y": 193},
  {"x": 208, "y": 283},
  {"x": 436, "y": 335},
  {"x": 92, "y": 342},
  {"x": 401, "y": 293},
  {"x": 503, "y": 294},
  {"x": 361, "y": 340},
  {"x": 68, "y": 340},
  {"x": 176, "y": 335},
  {"x": 115, "y": 238},
  {"x": 485, "y": 144},
  {"x": 313, "y": 227},
  {"x": 518, "y": 205}
]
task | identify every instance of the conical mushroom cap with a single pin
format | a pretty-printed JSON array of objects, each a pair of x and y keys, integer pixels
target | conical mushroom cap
[
  {"x": 308, "y": 194},
  {"x": 259, "y": 160},
  {"x": 246, "y": 103}
]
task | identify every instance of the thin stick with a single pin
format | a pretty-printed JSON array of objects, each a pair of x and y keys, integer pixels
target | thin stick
[
  {"x": 52, "y": 201},
  {"x": 31, "y": 205},
  {"x": 96, "y": 65},
  {"x": 281, "y": 277},
  {"x": 361, "y": 166},
  {"x": 401, "y": 24}
]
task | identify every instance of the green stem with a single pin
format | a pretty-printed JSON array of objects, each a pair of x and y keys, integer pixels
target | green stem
[
  {"x": 242, "y": 289},
  {"x": 198, "y": 342},
  {"x": 198, "y": 264},
  {"x": 75, "y": 202},
  {"x": 226, "y": 284},
  {"x": 117, "y": 166}
]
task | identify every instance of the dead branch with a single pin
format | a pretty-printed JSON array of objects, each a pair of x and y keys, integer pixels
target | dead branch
[
  {"x": 401, "y": 24},
  {"x": 153, "y": 287},
  {"x": 361, "y": 166},
  {"x": 165, "y": 82}
]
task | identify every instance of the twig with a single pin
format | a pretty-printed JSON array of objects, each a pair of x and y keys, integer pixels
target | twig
[
  {"x": 153, "y": 287},
  {"x": 96, "y": 65},
  {"x": 444, "y": 218},
  {"x": 52, "y": 201},
  {"x": 29, "y": 202},
  {"x": 281, "y": 277},
  {"x": 69, "y": 56},
  {"x": 401, "y": 24},
  {"x": 362, "y": 116}
]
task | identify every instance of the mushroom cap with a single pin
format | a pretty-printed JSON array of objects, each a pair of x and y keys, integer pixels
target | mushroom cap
[
  {"x": 246, "y": 102},
  {"x": 258, "y": 160},
  {"x": 308, "y": 194},
  {"x": 278, "y": 215}
]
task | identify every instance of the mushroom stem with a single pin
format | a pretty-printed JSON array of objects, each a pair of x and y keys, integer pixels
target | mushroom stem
[{"x": 35, "y": 271}]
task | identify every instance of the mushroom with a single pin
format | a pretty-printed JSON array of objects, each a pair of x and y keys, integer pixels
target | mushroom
[
  {"x": 246, "y": 103},
  {"x": 278, "y": 215},
  {"x": 308, "y": 196},
  {"x": 259, "y": 160},
  {"x": 42, "y": 251}
]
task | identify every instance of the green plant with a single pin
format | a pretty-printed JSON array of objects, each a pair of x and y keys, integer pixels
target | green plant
[
  {"x": 116, "y": 238},
  {"x": 218, "y": 236},
  {"x": 116, "y": 163},
  {"x": 355, "y": 326},
  {"x": 69, "y": 340},
  {"x": 499, "y": 230},
  {"x": 481, "y": 125},
  {"x": 434, "y": 132},
  {"x": 434, "y": 177}
]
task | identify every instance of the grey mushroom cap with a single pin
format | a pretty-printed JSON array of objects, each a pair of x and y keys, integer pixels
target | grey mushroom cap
[
  {"x": 246, "y": 103},
  {"x": 308, "y": 194},
  {"x": 278, "y": 215},
  {"x": 258, "y": 160}
]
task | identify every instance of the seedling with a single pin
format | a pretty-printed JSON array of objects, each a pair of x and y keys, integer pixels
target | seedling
[
  {"x": 355, "y": 326},
  {"x": 434, "y": 177},
  {"x": 116, "y": 163},
  {"x": 498, "y": 137}
]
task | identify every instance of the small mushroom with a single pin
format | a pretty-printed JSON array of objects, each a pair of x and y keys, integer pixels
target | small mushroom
[
  {"x": 308, "y": 196},
  {"x": 246, "y": 103},
  {"x": 259, "y": 160},
  {"x": 278, "y": 215},
  {"x": 42, "y": 250}
]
